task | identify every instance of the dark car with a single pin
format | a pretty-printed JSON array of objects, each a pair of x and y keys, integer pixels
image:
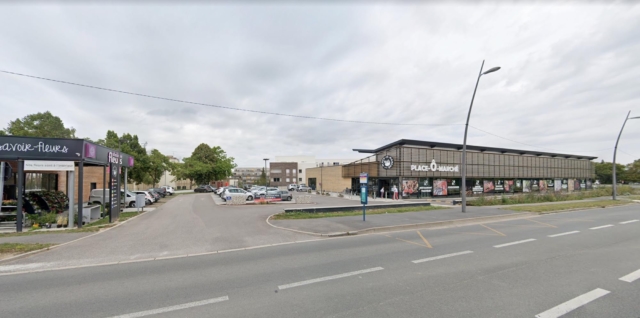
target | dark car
[
  {"x": 162, "y": 191},
  {"x": 154, "y": 194},
  {"x": 156, "y": 191},
  {"x": 204, "y": 188}
]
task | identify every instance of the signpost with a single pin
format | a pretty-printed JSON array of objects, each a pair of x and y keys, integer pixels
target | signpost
[{"x": 364, "y": 181}]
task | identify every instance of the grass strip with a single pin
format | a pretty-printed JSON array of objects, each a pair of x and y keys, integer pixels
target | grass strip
[
  {"x": 550, "y": 196},
  {"x": 545, "y": 208},
  {"x": 308, "y": 215},
  {"x": 11, "y": 248},
  {"x": 92, "y": 227}
]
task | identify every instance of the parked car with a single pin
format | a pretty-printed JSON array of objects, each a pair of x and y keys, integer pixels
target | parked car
[
  {"x": 163, "y": 192},
  {"x": 149, "y": 199},
  {"x": 263, "y": 191},
  {"x": 232, "y": 192},
  {"x": 303, "y": 188},
  {"x": 220, "y": 191},
  {"x": 285, "y": 195},
  {"x": 96, "y": 197},
  {"x": 156, "y": 190},
  {"x": 204, "y": 188},
  {"x": 155, "y": 195},
  {"x": 293, "y": 187},
  {"x": 169, "y": 189}
]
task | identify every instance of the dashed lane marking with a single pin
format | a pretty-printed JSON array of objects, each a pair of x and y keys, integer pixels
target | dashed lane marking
[
  {"x": 572, "y": 304},
  {"x": 514, "y": 243},
  {"x": 563, "y": 234},
  {"x": 326, "y": 278},
  {"x": 631, "y": 221},
  {"x": 601, "y": 227},
  {"x": 440, "y": 257},
  {"x": 173, "y": 308},
  {"x": 631, "y": 277}
]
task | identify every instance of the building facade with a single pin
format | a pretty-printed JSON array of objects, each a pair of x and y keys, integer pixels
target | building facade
[
  {"x": 307, "y": 162},
  {"x": 247, "y": 175},
  {"x": 282, "y": 174},
  {"x": 425, "y": 169}
]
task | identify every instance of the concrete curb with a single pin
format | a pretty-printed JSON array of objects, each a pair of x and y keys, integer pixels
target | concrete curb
[
  {"x": 426, "y": 225},
  {"x": 23, "y": 255}
]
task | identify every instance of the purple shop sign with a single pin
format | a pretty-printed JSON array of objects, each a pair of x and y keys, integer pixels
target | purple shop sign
[
  {"x": 130, "y": 161},
  {"x": 89, "y": 150}
]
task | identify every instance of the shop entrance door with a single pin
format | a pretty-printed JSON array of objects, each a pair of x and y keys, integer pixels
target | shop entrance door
[{"x": 386, "y": 184}]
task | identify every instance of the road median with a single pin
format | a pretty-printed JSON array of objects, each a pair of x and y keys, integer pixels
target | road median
[{"x": 569, "y": 206}]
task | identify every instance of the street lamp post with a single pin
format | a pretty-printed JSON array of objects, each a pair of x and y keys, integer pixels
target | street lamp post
[
  {"x": 266, "y": 177},
  {"x": 615, "y": 150},
  {"x": 464, "y": 143}
]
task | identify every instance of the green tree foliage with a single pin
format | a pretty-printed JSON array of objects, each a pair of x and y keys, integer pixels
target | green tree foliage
[
  {"x": 40, "y": 125},
  {"x": 263, "y": 178},
  {"x": 206, "y": 164},
  {"x": 633, "y": 171},
  {"x": 130, "y": 145},
  {"x": 604, "y": 172},
  {"x": 158, "y": 164}
]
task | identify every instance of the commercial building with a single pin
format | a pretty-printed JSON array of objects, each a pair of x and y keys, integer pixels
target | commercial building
[{"x": 425, "y": 169}]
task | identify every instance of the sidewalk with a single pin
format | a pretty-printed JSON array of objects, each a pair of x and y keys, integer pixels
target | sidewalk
[{"x": 347, "y": 225}]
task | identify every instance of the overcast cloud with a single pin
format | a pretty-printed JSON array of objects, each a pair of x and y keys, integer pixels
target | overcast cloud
[{"x": 569, "y": 74}]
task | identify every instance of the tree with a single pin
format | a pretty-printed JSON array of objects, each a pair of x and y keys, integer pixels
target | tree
[
  {"x": 206, "y": 164},
  {"x": 263, "y": 178},
  {"x": 604, "y": 172},
  {"x": 633, "y": 171},
  {"x": 158, "y": 164},
  {"x": 130, "y": 145},
  {"x": 40, "y": 125}
]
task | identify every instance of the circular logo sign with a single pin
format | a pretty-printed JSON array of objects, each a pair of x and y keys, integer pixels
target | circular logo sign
[{"x": 387, "y": 162}]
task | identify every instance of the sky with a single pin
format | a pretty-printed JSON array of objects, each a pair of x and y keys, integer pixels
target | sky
[{"x": 569, "y": 74}]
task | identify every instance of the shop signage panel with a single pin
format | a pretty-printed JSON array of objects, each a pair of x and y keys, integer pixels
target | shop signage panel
[
  {"x": 453, "y": 187},
  {"x": 435, "y": 167},
  {"x": 47, "y": 165},
  {"x": 543, "y": 186},
  {"x": 425, "y": 185},
  {"x": 53, "y": 148},
  {"x": 557, "y": 185},
  {"x": 409, "y": 186},
  {"x": 477, "y": 188}
]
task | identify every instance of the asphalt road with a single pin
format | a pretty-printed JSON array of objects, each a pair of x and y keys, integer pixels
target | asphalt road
[{"x": 585, "y": 263}]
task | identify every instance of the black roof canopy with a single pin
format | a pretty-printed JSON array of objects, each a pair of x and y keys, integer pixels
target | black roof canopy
[
  {"x": 442, "y": 145},
  {"x": 62, "y": 149}
]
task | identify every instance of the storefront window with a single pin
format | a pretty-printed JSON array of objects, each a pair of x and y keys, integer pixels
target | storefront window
[{"x": 41, "y": 181}]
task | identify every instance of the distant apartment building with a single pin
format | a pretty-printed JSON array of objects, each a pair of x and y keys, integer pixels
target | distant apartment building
[
  {"x": 302, "y": 164},
  {"x": 247, "y": 175}
]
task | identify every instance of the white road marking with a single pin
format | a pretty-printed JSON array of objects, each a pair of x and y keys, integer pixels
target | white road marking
[
  {"x": 631, "y": 277},
  {"x": 601, "y": 227},
  {"x": 565, "y": 233},
  {"x": 627, "y": 222},
  {"x": 514, "y": 243},
  {"x": 322, "y": 279},
  {"x": 173, "y": 308},
  {"x": 572, "y": 304},
  {"x": 440, "y": 257}
]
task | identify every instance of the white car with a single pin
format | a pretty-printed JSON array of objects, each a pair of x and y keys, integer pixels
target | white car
[
  {"x": 264, "y": 191},
  {"x": 293, "y": 187},
  {"x": 232, "y": 192},
  {"x": 169, "y": 189},
  {"x": 147, "y": 196},
  {"x": 257, "y": 190}
]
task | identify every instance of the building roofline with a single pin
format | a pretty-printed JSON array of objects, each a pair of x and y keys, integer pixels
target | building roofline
[{"x": 433, "y": 144}]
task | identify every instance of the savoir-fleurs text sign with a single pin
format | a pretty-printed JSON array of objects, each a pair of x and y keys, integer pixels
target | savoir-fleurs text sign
[
  {"x": 25, "y": 147},
  {"x": 435, "y": 167}
]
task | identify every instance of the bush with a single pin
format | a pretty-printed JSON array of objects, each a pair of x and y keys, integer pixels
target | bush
[{"x": 549, "y": 196}]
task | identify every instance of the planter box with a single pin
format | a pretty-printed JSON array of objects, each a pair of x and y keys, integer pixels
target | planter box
[{"x": 90, "y": 213}]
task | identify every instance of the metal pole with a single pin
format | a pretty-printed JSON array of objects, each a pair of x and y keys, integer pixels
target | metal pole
[
  {"x": 125, "y": 186},
  {"x": 615, "y": 150},
  {"x": 80, "y": 194},
  {"x": 19, "y": 196},
  {"x": 104, "y": 190},
  {"x": 1, "y": 182},
  {"x": 464, "y": 147},
  {"x": 70, "y": 194}
]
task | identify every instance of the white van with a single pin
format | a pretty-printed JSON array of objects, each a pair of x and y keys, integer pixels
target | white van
[{"x": 129, "y": 200}]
